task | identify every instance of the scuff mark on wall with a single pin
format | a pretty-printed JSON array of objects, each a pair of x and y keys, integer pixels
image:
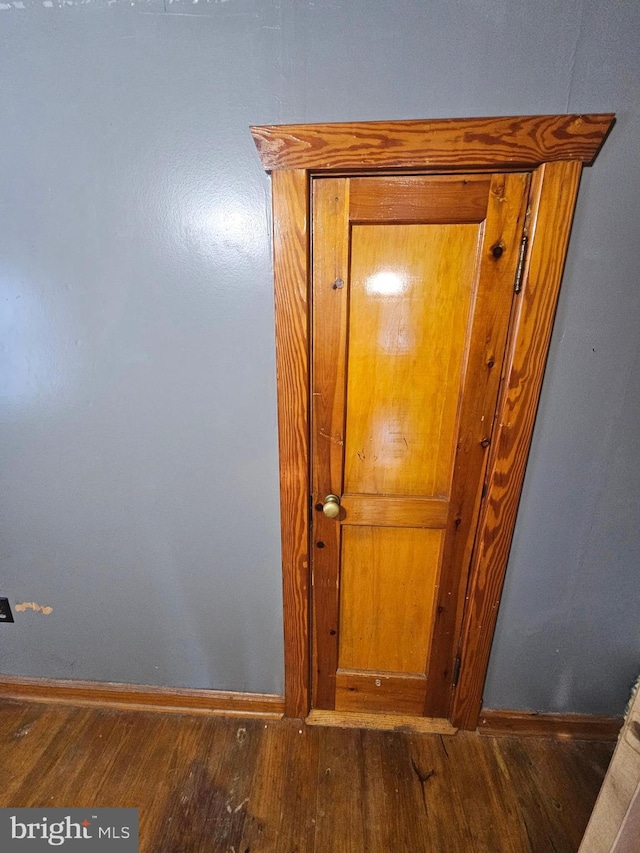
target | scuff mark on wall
[{"x": 31, "y": 605}]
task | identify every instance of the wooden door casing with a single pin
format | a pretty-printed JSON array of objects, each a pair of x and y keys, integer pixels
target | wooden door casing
[
  {"x": 554, "y": 148},
  {"x": 406, "y": 446}
]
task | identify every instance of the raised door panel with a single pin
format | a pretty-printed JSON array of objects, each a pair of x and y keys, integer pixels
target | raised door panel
[{"x": 410, "y": 292}]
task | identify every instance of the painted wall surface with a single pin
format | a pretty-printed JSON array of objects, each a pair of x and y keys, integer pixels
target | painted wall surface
[{"x": 138, "y": 431}]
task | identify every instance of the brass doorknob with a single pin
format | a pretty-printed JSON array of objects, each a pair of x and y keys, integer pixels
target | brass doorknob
[{"x": 331, "y": 506}]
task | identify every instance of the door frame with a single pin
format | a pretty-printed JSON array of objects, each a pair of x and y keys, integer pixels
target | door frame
[{"x": 554, "y": 148}]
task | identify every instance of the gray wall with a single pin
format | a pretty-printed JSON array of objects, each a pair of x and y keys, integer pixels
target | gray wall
[{"x": 139, "y": 460}]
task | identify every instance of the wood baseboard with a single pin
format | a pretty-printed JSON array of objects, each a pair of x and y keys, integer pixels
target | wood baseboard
[
  {"x": 169, "y": 700},
  {"x": 533, "y": 724},
  {"x": 384, "y": 722}
]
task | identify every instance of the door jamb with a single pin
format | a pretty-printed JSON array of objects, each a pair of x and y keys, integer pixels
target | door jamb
[{"x": 554, "y": 148}]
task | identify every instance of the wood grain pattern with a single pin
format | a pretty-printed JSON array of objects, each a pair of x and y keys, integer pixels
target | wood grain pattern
[
  {"x": 392, "y": 511},
  {"x": 387, "y": 586},
  {"x": 442, "y": 770},
  {"x": 410, "y": 292},
  {"x": 282, "y": 800},
  {"x": 380, "y": 722},
  {"x": 218, "y": 785},
  {"x": 548, "y": 810},
  {"x": 330, "y": 312},
  {"x": 141, "y": 698},
  {"x": 495, "y": 142},
  {"x": 379, "y": 691},
  {"x": 530, "y": 724},
  {"x": 341, "y": 751},
  {"x": 392, "y": 797},
  {"x": 553, "y": 199},
  {"x": 478, "y": 394},
  {"x": 451, "y": 199},
  {"x": 291, "y": 247}
]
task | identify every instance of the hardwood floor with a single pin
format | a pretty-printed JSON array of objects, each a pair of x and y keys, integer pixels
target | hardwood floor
[{"x": 249, "y": 785}]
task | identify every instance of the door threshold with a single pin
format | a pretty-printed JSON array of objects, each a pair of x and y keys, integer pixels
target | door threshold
[{"x": 383, "y": 722}]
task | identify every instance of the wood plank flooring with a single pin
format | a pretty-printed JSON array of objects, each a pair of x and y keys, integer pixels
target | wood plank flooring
[{"x": 249, "y": 785}]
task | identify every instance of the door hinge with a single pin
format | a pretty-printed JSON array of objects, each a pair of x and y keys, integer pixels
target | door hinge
[
  {"x": 517, "y": 287},
  {"x": 456, "y": 672}
]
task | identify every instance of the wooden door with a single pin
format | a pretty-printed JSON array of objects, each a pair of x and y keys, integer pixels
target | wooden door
[
  {"x": 413, "y": 282},
  {"x": 303, "y": 159}
]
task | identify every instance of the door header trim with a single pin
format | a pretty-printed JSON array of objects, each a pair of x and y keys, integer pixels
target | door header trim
[{"x": 501, "y": 142}]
